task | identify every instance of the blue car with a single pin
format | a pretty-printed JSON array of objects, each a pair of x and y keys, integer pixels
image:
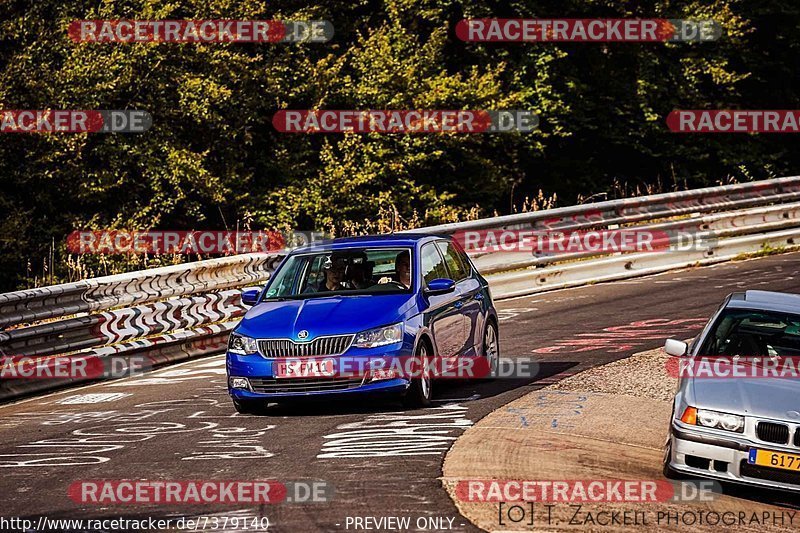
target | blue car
[{"x": 385, "y": 298}]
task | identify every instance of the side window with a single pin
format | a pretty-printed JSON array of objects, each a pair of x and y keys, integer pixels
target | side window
[
  {"x": 283, "y": 282},
  {"x": 432, "y": 263},
  {"x": 462, "y": 255},
  {"x": 316, "y": 274},
  {"x": 458, "y": 270}
]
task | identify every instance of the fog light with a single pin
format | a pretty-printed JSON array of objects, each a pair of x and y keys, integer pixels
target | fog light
[
  {"x": 383, "y": 374},
  {"x": 239, "y": 383}
]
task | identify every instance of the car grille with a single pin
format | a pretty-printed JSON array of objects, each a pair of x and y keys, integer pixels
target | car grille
[
  {"x": 770, "y": 474},
  {"x": 797, "y": 437},
  {"x": 268, "y": 385},
  {"x": 771, "y": 432},
  {"x": 319, "y": 347}
]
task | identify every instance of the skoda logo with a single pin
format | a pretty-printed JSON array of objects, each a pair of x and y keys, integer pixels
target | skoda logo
[{"x": 303, "y": 334}]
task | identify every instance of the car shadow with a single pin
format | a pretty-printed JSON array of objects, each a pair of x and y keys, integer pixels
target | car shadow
[
  {"x": 461, "y": 389},
  {"x": 761, "y": 495},
  {"x": 301, "y": 407},
  {"x": 445, "y": 391}
]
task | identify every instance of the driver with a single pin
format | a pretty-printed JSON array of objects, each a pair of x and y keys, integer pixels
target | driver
[{"x": 402, "y": 270}]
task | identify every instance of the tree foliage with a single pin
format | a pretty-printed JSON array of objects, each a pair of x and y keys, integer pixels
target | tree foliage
[{"x": 212, "y": 159}]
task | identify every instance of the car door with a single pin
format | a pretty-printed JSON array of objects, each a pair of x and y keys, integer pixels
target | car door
[
  {"x": 469, "y": 293},
  {"x": 443, "y": 315}
]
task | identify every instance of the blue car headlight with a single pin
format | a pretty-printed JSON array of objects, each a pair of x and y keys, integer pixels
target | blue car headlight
[
  {"x": 372, "y": 338},
  {"x": 239, "y": 344}
]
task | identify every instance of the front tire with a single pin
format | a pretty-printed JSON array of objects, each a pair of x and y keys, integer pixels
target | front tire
[
  {"x": 491, "y": 349},
  {"x": 420, "y": 391}
]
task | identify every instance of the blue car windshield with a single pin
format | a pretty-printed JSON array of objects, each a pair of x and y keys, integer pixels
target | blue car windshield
[{"x": 342, "y": 272}]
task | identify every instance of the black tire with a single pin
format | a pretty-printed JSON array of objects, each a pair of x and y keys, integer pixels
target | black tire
[
  {"x": 491, "y": 336},
  {"x": 248, "y": 407},
  {"x": 420, "y": 391}
]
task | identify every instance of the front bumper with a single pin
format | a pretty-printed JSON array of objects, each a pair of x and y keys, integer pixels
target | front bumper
[
  {"x": 724, "y": 457},
  {"x": 383, "y": 387},
  {"x": 263, "y": 385}
]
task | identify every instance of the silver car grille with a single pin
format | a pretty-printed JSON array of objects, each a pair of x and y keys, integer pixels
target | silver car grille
[{"x": 319, "y": 347}]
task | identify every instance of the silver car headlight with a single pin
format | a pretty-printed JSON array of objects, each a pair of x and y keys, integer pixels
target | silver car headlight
[
  {"x": 241, "y": 345},
  {"x": 384, "y": 336},
  {"x": 714, "y": 419}
]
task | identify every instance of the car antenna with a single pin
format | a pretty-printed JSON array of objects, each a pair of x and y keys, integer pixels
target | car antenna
[{"x": 394, "y": 218}]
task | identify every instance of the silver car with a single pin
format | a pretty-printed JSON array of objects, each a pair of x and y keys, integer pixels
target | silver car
[{"x": 744, "y": 428}]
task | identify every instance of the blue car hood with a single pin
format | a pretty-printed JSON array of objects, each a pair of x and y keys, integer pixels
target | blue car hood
[{"x": 333, "y": 315}]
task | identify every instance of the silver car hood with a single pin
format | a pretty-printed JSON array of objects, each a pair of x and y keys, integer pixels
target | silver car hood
[{"x": 762, "y": 397}]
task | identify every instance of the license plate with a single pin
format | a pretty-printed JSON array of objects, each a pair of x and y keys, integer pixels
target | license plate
[
  {"x": 303, "y": 368},
  {"x": 783, "y": 461}
]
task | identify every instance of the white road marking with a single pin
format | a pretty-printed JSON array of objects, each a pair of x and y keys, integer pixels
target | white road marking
[
  {"x": 97, "y": 397},
  {"x": 397, "y": 434},
  {"x": 47, "y": 398},
  {"x": 505, "y": 314},
  {"x": 199, "y": 370}
]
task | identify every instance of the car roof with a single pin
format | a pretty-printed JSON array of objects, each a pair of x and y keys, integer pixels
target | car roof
[
  {"x": 377, "y": 241},
  {"x": 766, "y": 300}
]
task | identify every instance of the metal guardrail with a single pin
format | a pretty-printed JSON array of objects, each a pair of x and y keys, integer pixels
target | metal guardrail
[
  {"x": 641, "y": 208},
  {"x": 165, "y": 314},
  {"x": 625, "y": 266},
  {"x": 187, "y": 310},
  {"x": 711, "y": 228},
  {"x": 123, "y": 324},
  {"x": 134, "y": 288}
]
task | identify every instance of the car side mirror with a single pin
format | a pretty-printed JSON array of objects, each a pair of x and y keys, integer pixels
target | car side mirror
[
  {"x": 676, "y": 347},
  {"x": 250, "y": 296},
  {"x": 440, "y": 286}
]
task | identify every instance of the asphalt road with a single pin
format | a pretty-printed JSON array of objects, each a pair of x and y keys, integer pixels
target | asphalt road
[{"x": 177, "y": 423}]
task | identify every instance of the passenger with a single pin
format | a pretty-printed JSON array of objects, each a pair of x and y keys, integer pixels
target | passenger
[
  {"x": 402, "y": 270},
  {"x": 335, "y": 268},
  {"x": 361, "y": 274}
]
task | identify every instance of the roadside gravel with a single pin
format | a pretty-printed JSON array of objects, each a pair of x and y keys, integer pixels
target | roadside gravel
[{"x": 643, "y": 375}]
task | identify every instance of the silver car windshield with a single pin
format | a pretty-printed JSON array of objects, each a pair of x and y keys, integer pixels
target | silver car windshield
[
  {"x": 342, "y": 272},
  {"x": 751, "y": 333}
]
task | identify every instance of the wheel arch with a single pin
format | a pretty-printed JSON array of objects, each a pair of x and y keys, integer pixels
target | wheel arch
[{"x": 425, "y": 336}]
